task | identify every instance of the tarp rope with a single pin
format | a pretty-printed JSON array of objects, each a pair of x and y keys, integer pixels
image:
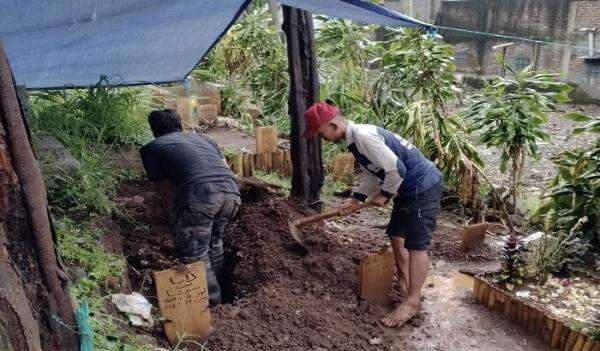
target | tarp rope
[{"x": 508, "y": 37}]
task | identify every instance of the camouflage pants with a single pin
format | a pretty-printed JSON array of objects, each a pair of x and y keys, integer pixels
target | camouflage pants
[{"x": 198, "y": 231}]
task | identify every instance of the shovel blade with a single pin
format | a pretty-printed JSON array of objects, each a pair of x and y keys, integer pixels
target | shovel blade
[{"x": 296, "y": 233}]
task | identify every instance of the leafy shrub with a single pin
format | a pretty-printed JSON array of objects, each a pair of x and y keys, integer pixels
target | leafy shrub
[
  {"x": 574, "y": 193},
  {"x": 509, "y": 115},
  {"x": 558, "y": 252}
]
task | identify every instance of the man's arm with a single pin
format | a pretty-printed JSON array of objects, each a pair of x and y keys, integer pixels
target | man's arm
[
  {"x": 151, "y": 165},
  {"x": 368, "y": 185}
]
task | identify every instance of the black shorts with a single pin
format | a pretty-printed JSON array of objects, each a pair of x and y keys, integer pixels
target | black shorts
[{"x": 414, "y": 217}]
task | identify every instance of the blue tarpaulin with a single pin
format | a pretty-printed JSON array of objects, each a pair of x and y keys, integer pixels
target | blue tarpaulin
[{"x": 58, "y": 43}]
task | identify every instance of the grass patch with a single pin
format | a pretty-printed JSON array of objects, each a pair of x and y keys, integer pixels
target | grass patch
[
  {"x": 333, "y": 186},
  {"x": 87, "y": 188},
  {"x": 98, "y": 114},
  {"x": 78, "y": 245},
  {"x": 276, "y": 179}
]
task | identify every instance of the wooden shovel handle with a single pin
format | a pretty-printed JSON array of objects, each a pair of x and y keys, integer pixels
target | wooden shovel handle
[{"x": 326, "y": 215}]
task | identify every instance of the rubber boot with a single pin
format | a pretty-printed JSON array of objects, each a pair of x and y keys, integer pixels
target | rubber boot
[
  {"x": 216, "y": 258},
  {"x": 214, "y": 289}
]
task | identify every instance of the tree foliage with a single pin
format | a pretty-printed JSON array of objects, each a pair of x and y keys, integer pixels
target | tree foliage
[
  {"x": 574, "y": 193},
  {"x": 509, "y": 115}
]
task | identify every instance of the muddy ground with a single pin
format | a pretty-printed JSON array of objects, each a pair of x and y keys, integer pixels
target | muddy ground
[{"x": 279, "y": 298}]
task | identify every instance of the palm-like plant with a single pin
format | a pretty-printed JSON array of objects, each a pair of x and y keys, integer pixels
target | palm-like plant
[
  {"x": 510, "y": 114},
  {"x": 574, "y": 193},
  {"x": 415, "y": 79},
  {"x": 344, "y": 49}
]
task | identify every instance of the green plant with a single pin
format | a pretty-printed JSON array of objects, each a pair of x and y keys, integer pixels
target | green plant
[
  {"x": 416, "y": 79},
  {"x": 344, "y": 49},
  {"x": 88, "y": 187},
  {"x": 275, "y": 179},
  {"x": 574, "y": 193},
  {"x": 556, "y": 252},
  {"x": 333, "y": 186},
  {"x": 509, "y": 114},
  {"x": 251, "y": 63},
  {"x": 98, "y": 114},
  {"x": 78, "y": 246},
  {"x": 512, "y": 258}
]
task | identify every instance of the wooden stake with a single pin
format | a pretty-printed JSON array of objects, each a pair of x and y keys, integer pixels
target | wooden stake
[
  {"x": 564, "y": 337},
  {"x": 542, "y": 324},
  {"x": 571, "y": 340},
  {"x": 252, "y": 163},
  {"x": 482, "y": 291},
  {"x": 278, "y": 162},
  {"x": 492, "y": 297},
  {"x": 555, "y": 339},
  {"x": 579, "y": 343},
  {"x": 507, "y": 306},
  {"x": 258, "y": 162},
  {"x": 588, "y": 345},
  {"x": 549, "y": 329},
  {"x": 476, "y": 287},
  {"x": 238, "y": 165},
  {"x": 535, "y": 315},
  {"x": 269, "y": 158},
  {"x": 526, "y": 315},
  {"x": 247, "y": 172}
]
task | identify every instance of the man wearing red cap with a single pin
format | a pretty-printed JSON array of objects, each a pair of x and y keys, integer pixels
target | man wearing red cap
[{"x": 392, "y": 168}]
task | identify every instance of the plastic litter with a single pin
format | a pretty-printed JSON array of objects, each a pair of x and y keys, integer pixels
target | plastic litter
[{"x": 136, "y": 307}]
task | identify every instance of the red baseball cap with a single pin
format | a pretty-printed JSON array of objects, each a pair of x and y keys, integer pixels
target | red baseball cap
[{"x": 318, "y": 115}]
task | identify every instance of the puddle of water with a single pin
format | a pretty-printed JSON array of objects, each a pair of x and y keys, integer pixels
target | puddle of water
[
  {"x": 462, "y": 281},
  {"x": 452, "y": 283}
]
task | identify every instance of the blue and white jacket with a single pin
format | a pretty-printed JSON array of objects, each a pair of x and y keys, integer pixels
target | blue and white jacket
[{"x": 390, "y": 164}]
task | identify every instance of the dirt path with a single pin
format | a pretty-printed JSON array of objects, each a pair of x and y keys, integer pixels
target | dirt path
[{"x": 451, "y": 320}]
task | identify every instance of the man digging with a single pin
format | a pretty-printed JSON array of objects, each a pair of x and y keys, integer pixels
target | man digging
[
  {"x": 392, "y": 169},
  {"x": 206, "y": 195}
]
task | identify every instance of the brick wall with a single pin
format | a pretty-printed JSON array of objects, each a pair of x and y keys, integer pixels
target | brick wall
[{"x": 547, "y": 20}]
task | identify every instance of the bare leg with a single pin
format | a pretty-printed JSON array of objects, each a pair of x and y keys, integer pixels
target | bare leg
[
  {"x": 418, "y": 267},
  {"x": 401, "y": 258}
]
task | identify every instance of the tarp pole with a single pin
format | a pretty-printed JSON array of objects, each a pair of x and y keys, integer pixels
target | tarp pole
[{"x": 307, "y": 177}]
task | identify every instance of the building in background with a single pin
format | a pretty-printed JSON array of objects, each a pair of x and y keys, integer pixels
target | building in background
[{"x": 574, "y": 22}]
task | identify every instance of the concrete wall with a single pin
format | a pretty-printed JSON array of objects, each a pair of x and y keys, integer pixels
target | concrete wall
[{"x": 546, "y": 20}]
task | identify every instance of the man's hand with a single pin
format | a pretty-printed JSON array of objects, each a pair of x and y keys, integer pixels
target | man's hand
[
  {"x": 379, "y": 200},
  {"x": 348, "y": 206}
]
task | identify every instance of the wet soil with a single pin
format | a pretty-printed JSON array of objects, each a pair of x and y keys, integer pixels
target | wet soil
[{"x": 283, "y": 298}]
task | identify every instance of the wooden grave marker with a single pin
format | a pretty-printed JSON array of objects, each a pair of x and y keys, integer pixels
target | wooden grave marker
[
  {"x": 266, "y": 139},
  {"x": 183, "y": 302},
  {"x": 375, "y": 276}
]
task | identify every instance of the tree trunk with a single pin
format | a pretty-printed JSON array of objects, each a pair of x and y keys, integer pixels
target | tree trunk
[
  {"x": 307, "y": 177},
  {"x": 35, "y": 307}
]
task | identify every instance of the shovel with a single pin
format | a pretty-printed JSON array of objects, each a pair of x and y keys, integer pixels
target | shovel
[{"x": 295, "y": 226}]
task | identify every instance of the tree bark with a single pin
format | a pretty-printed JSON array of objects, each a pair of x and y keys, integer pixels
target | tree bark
[
  {"x": 307, "y": 177},
  {"x": 35, "y": 306}
]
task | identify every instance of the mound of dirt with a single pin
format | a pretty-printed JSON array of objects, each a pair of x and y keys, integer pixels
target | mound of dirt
[{"x": 285, "y": 298}]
